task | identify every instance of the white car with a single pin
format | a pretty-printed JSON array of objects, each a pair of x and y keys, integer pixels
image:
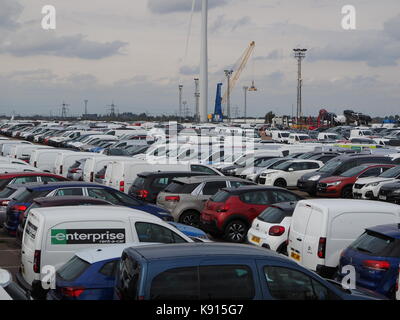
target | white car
[
  {"x": 368, "y": 188},
  {"x": 287, "y": 173},
  {"x": 271, "y": 228},
  {"x": 253, "y": 173}
]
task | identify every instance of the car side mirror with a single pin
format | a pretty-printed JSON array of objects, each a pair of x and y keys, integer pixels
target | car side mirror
[{"x": 290, "y": 169}]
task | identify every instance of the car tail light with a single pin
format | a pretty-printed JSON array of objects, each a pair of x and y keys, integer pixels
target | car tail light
[
  {"x": 5, "y": 203},
  {"x": 224, "y": 208},
  {"x": 91, "y": 176},
  {"x": 276, "y": 231},
  {"x": 321, "y": 248},
  {"x": 18, "y": 207},
  {"x": 61, "y": 169},
  {"x": 142, "y": 193},
  {"x": 72, "y": 292},
  {"x": 122, "y": 186},
  {"x": 376, "y": 265},
  {"x": 173, "y": 198},
  {"x": 36, "y": 261}
]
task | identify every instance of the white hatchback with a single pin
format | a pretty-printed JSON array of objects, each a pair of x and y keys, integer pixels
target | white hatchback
[
  {"x": 288, "y": 173},
  {"x": 270, "y": 229}
]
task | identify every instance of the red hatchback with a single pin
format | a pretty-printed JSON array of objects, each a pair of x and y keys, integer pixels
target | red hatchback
[
  {"x": 231, "y": 211},
  {"x": 342, "y": 186}
]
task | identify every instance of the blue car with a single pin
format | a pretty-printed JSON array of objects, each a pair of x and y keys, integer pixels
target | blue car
[
  {"x": 17, "y": 206},
  {"x": 376, "y": 258},
  {"x": 90, "y": 274}
]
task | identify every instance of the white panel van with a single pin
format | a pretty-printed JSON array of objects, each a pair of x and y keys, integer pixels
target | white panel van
[
  {"x": 320, "y": 229},
  {"x": 95, "y": 163},
  {"x": 53, "y": 235},
  {"x": 44, "y": 159},
  {"x": 66, "y": 159}
]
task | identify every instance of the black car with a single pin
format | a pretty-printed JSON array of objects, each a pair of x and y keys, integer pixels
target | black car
[
  {"x": 335, "y": 167},
  {"x": 148, "y": 185},
  {"x": 390, "y": 192}
]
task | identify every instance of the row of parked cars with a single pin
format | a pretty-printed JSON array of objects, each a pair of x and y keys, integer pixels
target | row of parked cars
[{"x": 120, "y": 229}]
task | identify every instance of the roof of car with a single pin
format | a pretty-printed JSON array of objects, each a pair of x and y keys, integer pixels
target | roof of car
[
  {"x": 286, "y": 206},
  {"x": 391, "y": 230},
  {"x": 251, "y": 188},
  {"x": 206, "y": 250},
  {"x": 170, "y": 173},
  {"x": 28, "y": 173},
  {"x": 206, "y": 178},
  {"x": 48, "y": 201},
  {"x": 60, "y": 184},
  {"x": 352, "y": 204}
]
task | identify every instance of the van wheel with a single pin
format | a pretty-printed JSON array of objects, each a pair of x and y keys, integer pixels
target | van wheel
[
  {"x": 191, "y": 218},
  {"x": 347, "y": 192},
  {"x": 236, "y": 231},
  {"x": 280, "y": 183}
]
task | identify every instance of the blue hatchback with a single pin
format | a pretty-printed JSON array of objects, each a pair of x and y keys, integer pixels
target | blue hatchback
[
  {"x": 17, "y": 206},
  {"x": 376, "y": 258}
]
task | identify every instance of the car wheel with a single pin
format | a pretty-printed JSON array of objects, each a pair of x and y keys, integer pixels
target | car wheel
[
  {"x": 191, "y": 218},
  {"x": 347, "y": 192},
  {"x": 236, "y": 231},
  {"x": 280, "y": 183}
]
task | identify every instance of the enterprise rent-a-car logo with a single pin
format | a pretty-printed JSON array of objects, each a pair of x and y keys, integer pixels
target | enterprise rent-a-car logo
[{"x": 87, "y": 236}]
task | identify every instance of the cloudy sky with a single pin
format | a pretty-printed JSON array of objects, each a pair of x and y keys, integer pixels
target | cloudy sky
[{"x": 133, "y": 53}]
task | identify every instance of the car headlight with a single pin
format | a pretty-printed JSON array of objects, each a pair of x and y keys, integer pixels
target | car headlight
[
  {"x": 396, "y": 191},
  {"x": 372, "y": 184},
  {"x": 333, "y": 184},
  {"x": 314, "y": 178}
]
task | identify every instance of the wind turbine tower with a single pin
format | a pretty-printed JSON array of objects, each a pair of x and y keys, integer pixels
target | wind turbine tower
[{"x": 204, "y": 63}]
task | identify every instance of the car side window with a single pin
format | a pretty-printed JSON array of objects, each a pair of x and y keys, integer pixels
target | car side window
[
  {"x": 203, "y": 169},
  {"x": 25, "y": 179},
  {"x": 373, "y": 172},
  {"x": 230, "y": 282},
  {"x": 257, "y": 197},
  {"x": 161, "y": 183},
  {"x": 102, "y": 194},
  {"x": 212, "y": 188},
  {"x": 289, "y": 284},
  {"x": 238, "y": 184},
  {"x": 296, "y": 166},
  {"x": 150, "y": 232},
  {"x": 176, "y": 284},
  {"x": 282, "y": 196},
  {"x": 312, "y": 165},
  {"x": 108, "y": 269},
  {"x": 49, "y": 179},
  {"x": 129, "y": 271},
  {"x": 69, "y": 192}
]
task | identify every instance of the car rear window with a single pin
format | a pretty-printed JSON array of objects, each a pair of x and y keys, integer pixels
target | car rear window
[
  {"x": 220, "y": 196},
  {"x": 139, "y": 182},
  {"x": 28, "y": 195},
  {"x": 274, "y": 215},
  {"x": 7, "y": 192},
  {"x": 177, "y": 187},
  {"x": 73, "y": 269},
  {"x": 4, "y": 183},
  {"x": 377, "y": 244}
]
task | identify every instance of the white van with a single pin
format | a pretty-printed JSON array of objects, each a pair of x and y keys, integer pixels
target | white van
[
  {"x": 6, "y": 145},
  {"x": 298, "y": 138},
  {"x": 66, "y": 159},
  {"x": 280, "y": 136},
  {"x": 11, "y": 167},
  {"x": 95, "y": 163},
  {"x": 23, "y": 151},
  {"x": 320, "y": 229},
  {"x": 44, "y": 159},
  {"x": 121, "y": 174},
  {"x": 53, "y": 235},
  {"x": 4, "y": 160}
]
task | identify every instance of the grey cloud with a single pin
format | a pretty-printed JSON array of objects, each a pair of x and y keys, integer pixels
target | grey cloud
[
  {"x": 221, "y": 22},
  {"x": 241, "y": 22},
  {"x": 10, "y": 11},
  {"x": 171, "y": 6},
  {"x": 76, "y": 46},
  {"x": 392, "y": 27},
  {"x": 273, "y": 55},
  {"x": 189, "y": 71}
]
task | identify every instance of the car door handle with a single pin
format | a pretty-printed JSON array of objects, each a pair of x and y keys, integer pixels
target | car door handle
[{"x": 298, "y": 239}]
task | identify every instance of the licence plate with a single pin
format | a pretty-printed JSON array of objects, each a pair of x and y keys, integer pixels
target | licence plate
[
  {"x": 256, "y": 239},
  {"x": 382, "y": 197},
  {"x": 295, "y": 256}
]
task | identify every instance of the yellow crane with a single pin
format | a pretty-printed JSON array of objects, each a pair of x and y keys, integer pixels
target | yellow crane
[{"x": 242, "y": 64}]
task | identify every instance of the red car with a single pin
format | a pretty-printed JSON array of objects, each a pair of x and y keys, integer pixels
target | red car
[
  {"x": 27, "y": 177},
  {"x": 342, "y": 186},
  {"x": 231, "y": 211}
]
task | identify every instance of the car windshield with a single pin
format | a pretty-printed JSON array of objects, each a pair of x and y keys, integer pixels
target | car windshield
[
  {"x": 354, "y": 171},
  {"x": 242, "y": 160},
  {"x": 285, "y": 134},
  {"x": 391, "y": 173},
  {"x": 330, "y": 166},
  {"x": 301, "y": 138}
]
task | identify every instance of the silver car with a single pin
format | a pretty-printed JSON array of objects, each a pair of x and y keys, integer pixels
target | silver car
[{"x": 185, "y": 197}]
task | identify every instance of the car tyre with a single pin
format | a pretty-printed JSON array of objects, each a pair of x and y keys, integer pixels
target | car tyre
[
  {"x": 191, "y": 218},
  {"x": 236, "y": 231},
  {"x": 280, "y": 183},
  {"x": 347, "y": 192}
]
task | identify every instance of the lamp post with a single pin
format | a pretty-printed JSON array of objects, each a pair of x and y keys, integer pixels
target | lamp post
[
  {"x": 228, "y": 74},
  {"x": 204, "y": 63},
  {"x": 180, "y": 101},
  {"x": 299, "y": 54}
]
